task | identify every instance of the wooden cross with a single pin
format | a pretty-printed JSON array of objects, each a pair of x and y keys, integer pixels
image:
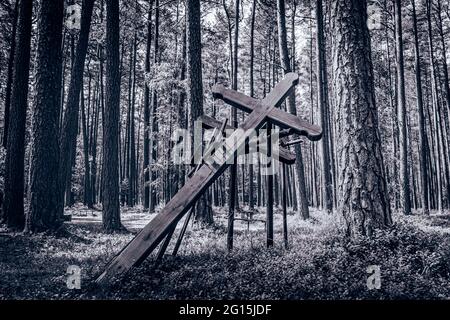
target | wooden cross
[{"x": 165, "y": 221}]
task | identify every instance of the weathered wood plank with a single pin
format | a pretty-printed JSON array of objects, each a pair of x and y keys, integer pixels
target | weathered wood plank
[{"x": 276, "y": 116}]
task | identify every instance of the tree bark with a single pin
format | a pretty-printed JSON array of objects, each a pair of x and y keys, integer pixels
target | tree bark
[
  {"x": 445, "y": 125},
  {"x": 87, "y": 170},
  {"x": 15, "y": 151},
  {"x": 9, "y": 80},
  {"x": 423, "y": 140},
  {"x": 435, "y": 104},
  {"x": 71, "y": 112},
  {"x": 363, "y": 199},
  {"x": 132, "y": 139},
  {"x": 405, "y": 190},
  {"x": 285, "y": 62},
  {"x": 252, "y": 93},
  {"x": 203, "y": 211},
  {"x": 146, "y": 139},
  {"x": 110, "y": 184},
  {"x": 45, "y": 202},
  {"x": 154, "y": 118},
  {"x": 322, "y": 83}
]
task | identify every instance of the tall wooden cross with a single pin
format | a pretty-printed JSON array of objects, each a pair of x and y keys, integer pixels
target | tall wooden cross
[{"x": 260, "y": 111}]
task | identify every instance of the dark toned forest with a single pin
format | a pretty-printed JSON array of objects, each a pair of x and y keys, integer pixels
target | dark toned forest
[{"x": 224, "y": 149}]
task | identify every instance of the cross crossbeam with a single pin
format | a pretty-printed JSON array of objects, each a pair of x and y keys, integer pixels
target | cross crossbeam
[{"x": 276, "y": 116}]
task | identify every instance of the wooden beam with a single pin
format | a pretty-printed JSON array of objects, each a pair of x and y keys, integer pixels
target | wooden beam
[
  {"x": 269, "y": 205},
  {"x": 276, "y": 116},
  {"x": 292, "y": 142},
  {"x": 284, "y": 204}
]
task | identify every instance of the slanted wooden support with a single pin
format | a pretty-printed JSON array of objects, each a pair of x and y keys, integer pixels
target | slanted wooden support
[
  {"x": 164, "y": 245},
  {"x": 183, "y": 231},
  {"x": 154, "y": 232}
]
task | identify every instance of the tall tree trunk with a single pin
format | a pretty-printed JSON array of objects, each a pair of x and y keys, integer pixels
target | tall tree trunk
[
  {"x": 363, "y": 199},
  {"x": 182, "y": 118},
  {"x": 405, "y": 191},
  {"x": 132, "y": 138},
  {"x": 445, "y": 125},
  {"x": 230, "y": 38},
  {"x": 423, "y": 141},
  {"x": 110, "y": 184},
  {"x": 9, "y": 79},
  {"x": 98, "y": 112},
  {"x": 252, "y": 93},
  {"x": 154, "y": 119},
  {"x": 45, "y": 202},
  {"x": 203, "y": 211},
  {"x": 146, "y": 139},
  {"x": 285, "y": 62},
  {"x": 70, "y": 119},
  {"x": 87, "y": 170},
  {"x": 15, "y": 151},
  {"x": 435, "y": 104},
  {"x": 233, "y": 187},
  {"x": 322, "y": 83}
]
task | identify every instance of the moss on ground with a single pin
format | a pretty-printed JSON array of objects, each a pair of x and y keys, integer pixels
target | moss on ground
[{"x": 414, "y": 257}]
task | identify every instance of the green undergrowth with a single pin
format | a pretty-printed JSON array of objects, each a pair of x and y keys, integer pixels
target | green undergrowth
[{"x": 414, "y": 259}]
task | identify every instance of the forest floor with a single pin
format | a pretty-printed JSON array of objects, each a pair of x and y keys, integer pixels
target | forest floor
[{"x": 414, "y": 260}]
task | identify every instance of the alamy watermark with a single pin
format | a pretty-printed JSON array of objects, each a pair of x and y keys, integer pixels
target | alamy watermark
[
  {"x": 73, "y": 21},
  {"x": 230, "y": 147},
  {"x": 374, "y": 278},
  {"x": 73, "y": 280}
]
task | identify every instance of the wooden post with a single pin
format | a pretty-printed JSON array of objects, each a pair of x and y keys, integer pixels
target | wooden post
[
  {"x": 270, "y": 173},
  {"x": 284, "y": 204},
  {"x": 164, "y": 245},
  {"x": 230, "y": 226},
  {"x": 183, "y": 231}
]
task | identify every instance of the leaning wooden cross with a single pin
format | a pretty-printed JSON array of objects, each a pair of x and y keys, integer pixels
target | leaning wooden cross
[{"x": 260, "y": 111}]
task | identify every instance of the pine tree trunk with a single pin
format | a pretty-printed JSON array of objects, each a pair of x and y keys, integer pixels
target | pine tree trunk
[
  {"x": 322, "y": 84},
  {"x": 15, "y": 152},
  {"x": 110, "y": 177},
  {"x": 285, "y": 62},
  {"x": 146, "y": 168},
  {"x": 70, "y": 119},
  {"x": 87, "y": 170},
  {"x": 363, "y": 199},
  {"x": 132, "y": 140},
  {"x": 405, "y": 191},
  {"x": 203, "y": 212},
  {"x": 45, "y": 203},
  {"x": 154, "y": 119},
  {"x": 9, "y": 79},
  {"x": 182, "y": 118},
  {"x": 445, "y": 125},
  {"x": 423, "y": 141},
  {"x": 251, "y": 199},
  {"x": 435, "y": 104}
]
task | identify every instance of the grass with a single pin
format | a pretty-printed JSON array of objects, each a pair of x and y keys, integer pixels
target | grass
[{"x": 414, "y": 257}]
